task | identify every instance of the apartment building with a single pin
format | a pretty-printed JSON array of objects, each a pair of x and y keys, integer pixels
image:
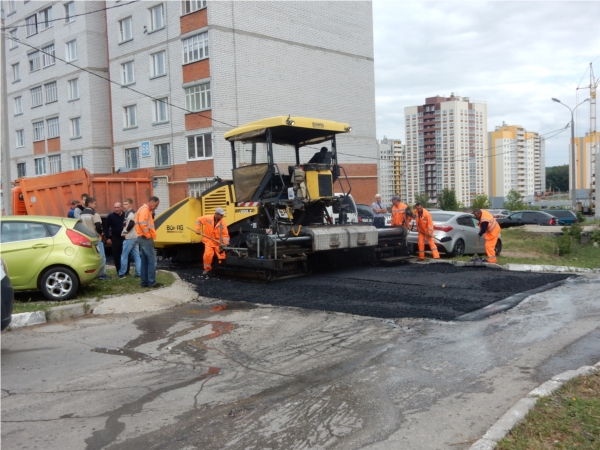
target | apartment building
[
  {"x": 391, "y": 154},
  {"x": 185, "y": 72},
  {"x": 446, "y": 142},
  {"x": 58, "y": 111},
  {"x": 516, "y": 162},
  {"x": 586, "y": 161}
]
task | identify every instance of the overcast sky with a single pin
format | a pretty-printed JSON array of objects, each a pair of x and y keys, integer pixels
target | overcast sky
[{"x": 514, "y": 56}]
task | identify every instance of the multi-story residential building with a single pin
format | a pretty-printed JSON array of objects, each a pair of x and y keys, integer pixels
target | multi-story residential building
[
  {"x": 181, "y": 75},
  {"x": 391, "y": 153},
  {"x": 516, "y": 162},
  {"x": 586, "y": 161},
  {"x": 446, "y": 140},
  {"x": 58, "y": 112}
]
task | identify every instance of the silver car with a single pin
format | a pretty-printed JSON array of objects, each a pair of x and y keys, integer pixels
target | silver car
[{"x": 455, "y": 233}]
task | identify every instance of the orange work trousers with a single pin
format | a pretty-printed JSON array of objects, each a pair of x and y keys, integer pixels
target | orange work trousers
[
  {"x": 490, "y": 244},
  {"x": 209, "y": 252},
  {"x": 432, "y": 247}
]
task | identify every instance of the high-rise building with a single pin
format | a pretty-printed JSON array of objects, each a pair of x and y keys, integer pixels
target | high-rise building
[
  {"x": 58, "y": 112},
  {"x": 516, "y": 162},
  {"x": 446, "y": 139},
  {"x": 181, "y": 75},
  {"x": 585, "y": 160},
  {"x": 391, "y": 152}
]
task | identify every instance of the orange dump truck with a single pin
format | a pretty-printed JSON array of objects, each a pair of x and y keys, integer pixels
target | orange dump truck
[{"x": 51, "y": 195}]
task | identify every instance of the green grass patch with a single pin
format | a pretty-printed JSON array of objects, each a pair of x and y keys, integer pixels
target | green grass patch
[
  {"x": 96, "y": 289},
  {"x": 522, "y": 247},
  {"x": 568, "y": 419}
]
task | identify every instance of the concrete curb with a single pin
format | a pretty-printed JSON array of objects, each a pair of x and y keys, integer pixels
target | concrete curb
[
  {"x": 74, "y": 310},
  {"x": 515, "y": 414}
]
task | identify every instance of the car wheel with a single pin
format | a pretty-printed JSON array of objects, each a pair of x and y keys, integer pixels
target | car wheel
[
  {"x": 459, "y": 248},
  {"x": 59, "y": 283},
  {"x": 498, "y": 248}
]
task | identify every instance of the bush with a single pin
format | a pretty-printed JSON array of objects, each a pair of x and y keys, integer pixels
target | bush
[
  {"x": 595, "y": 235},
  {"x": 564, "y": 244},
  {"x": 580, "y": 217}
]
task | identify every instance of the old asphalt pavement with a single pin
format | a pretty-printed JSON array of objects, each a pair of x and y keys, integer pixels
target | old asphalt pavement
[{"x": 367, "y": 358}]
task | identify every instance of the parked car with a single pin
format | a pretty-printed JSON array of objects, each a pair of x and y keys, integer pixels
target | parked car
[
  {"x": 365, "y": 213},
  {"x": 455, "y": 233},
  {"x": 7, "y": 293},
  {"x": 52, "y": 254},
  {"x": 499, "y": 213},
  {"x": 566, "y": 216},
  {"x": 518, "y": 218}
]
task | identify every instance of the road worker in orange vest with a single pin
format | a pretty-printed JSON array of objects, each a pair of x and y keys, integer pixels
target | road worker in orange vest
[
  {"x": 425, "y": 230},
  {"x": 489, "y": 228},
  {"x": 144, "y": 227},
  {"x": 400, "y": 213},
  {"x": 214, "y": 237}
]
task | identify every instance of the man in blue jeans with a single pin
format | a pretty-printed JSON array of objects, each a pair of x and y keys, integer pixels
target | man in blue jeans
[
  {"x": 130, "y": 244},
  {"x": 144, "y": 227},
  {"x": 91, "y": 219}
]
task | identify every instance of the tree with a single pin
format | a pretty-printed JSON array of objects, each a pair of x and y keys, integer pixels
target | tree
[
  {"x": 423, "y": 198},
  {"x": 447, "y": 200},
  {"x": 514, "y": 201},
  {"x": 481, "y": 201},
  {"x": 557, "y": 178}
]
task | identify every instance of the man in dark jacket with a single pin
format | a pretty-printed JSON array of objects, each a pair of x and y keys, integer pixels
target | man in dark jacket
[
  {"x": 113, "y": 233},
  {"x": 74, "y": 205},
  {"x": 91, "y": 219}
]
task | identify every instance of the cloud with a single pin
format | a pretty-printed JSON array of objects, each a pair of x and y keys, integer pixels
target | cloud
[{"x": 514, "y": 56}]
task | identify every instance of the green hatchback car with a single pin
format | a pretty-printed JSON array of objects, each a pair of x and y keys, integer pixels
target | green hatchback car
[{"x": 54, "y": 255}]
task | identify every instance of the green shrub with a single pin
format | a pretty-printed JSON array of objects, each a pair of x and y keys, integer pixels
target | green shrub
[
  {"x": 580, "y": 217},
  {"x": 564, "y": 244},
  {"x": 574, "y": 231},
  {"x": 595, "y": 235}
]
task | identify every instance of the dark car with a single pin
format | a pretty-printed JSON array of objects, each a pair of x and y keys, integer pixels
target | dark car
[
  {"x": 7, "y": 296},
  {"x": 564, "y": 216},
  {"x": 365, "y": 213},
  {"x": 518, "y": 218}
]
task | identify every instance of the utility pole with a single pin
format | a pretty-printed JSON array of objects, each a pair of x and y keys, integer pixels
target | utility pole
[{"x": 5, "y": 150}]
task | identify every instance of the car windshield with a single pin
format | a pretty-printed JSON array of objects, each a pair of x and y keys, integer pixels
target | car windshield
[
  {"x": 440, "y": 217},
  {"x": 79, "y": 226}
]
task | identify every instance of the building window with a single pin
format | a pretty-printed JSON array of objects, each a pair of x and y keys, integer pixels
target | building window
[
  {"x": 13, "y": 35},
  {"x": 200, "y": 146},
  {"x": 45, "y": 18},
  {"x": 37, "y": 97},
  {"x": 157, "y": 20},
  {"x": 74, "y": 89},
  {"x": 54, "y": 165},
  {"x": 38, "y": 131},
  {"x": 20, "y": 138},
  {"x": 130, "y": 119},
  {"x": 16, "y": 72},
  {"x": 12, "y": 7},
  {"x": 75, "y": 128},
  {"x": 31, "y": 23},
  {"x": 18, "y": 105},
  {"x": 21, "y": 170},
  {"x": 48, "y": 55},
  {"x": 197, "y": 98},
  {"x": 162, "y": 155},
  {"x": 191, "y": 6},
  {"x": 160, "y": 110},
  {"x": 53, "y": 128},
  {"x": 198, "y": 187},
  {"x": 195, "y": 48},
  {"x": 128, "y": 73},
  {"x": 77, "y": 162},
  {"x": 51, "y": 92},
  {"x": 132, "y": 160},
  {"x": 34, "y": 61},
  {"x": 126, "y": 30},
  {"x": 69, "y": 12},
  {"x": 71, "y": 50},
  {"x": 158, "y": 66},
  {"x": 40, "y": 166}
]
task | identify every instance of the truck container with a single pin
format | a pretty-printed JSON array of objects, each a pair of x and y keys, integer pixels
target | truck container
[{"x": 51, "y": 195}]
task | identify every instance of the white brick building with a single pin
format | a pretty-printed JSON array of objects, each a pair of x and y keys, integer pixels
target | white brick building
[{"x": 446, "y": 139}]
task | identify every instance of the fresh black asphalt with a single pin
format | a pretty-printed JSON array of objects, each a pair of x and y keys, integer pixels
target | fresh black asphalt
[{"x": 433, "y": 291}]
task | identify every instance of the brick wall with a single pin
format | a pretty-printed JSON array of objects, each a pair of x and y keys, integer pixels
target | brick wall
[
  {"x": 193, "y": 21},
  {"x": 54, "y": 145}
]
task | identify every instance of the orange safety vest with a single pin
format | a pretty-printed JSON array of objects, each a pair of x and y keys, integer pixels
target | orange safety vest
[
  {"x": 144, "y": 223},
  {"x": 398, "y": 215},
  {"x": 486, "y": 216},
  {"x": 217, "y": 232},
  {"x": 424, "y": 222}
]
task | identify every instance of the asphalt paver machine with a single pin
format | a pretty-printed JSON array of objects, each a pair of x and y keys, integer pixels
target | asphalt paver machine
[{"x": 277, "y": 216}]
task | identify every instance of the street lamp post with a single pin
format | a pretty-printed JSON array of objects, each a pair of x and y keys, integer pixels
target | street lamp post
[{"x": 573, "y": 188}]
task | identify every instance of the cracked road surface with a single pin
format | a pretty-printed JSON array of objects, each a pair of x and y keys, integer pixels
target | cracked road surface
[{"x": 217, "y": 374}]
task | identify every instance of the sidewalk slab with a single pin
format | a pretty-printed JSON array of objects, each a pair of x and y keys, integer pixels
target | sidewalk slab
[
  {"x": 65, "y": 312},
  {"x": 27, "y": 319}
]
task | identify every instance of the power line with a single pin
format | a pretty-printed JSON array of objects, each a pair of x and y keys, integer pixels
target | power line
[
  {"x": 118, "y": 84},
  {"x": 74, "y": 15}
]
